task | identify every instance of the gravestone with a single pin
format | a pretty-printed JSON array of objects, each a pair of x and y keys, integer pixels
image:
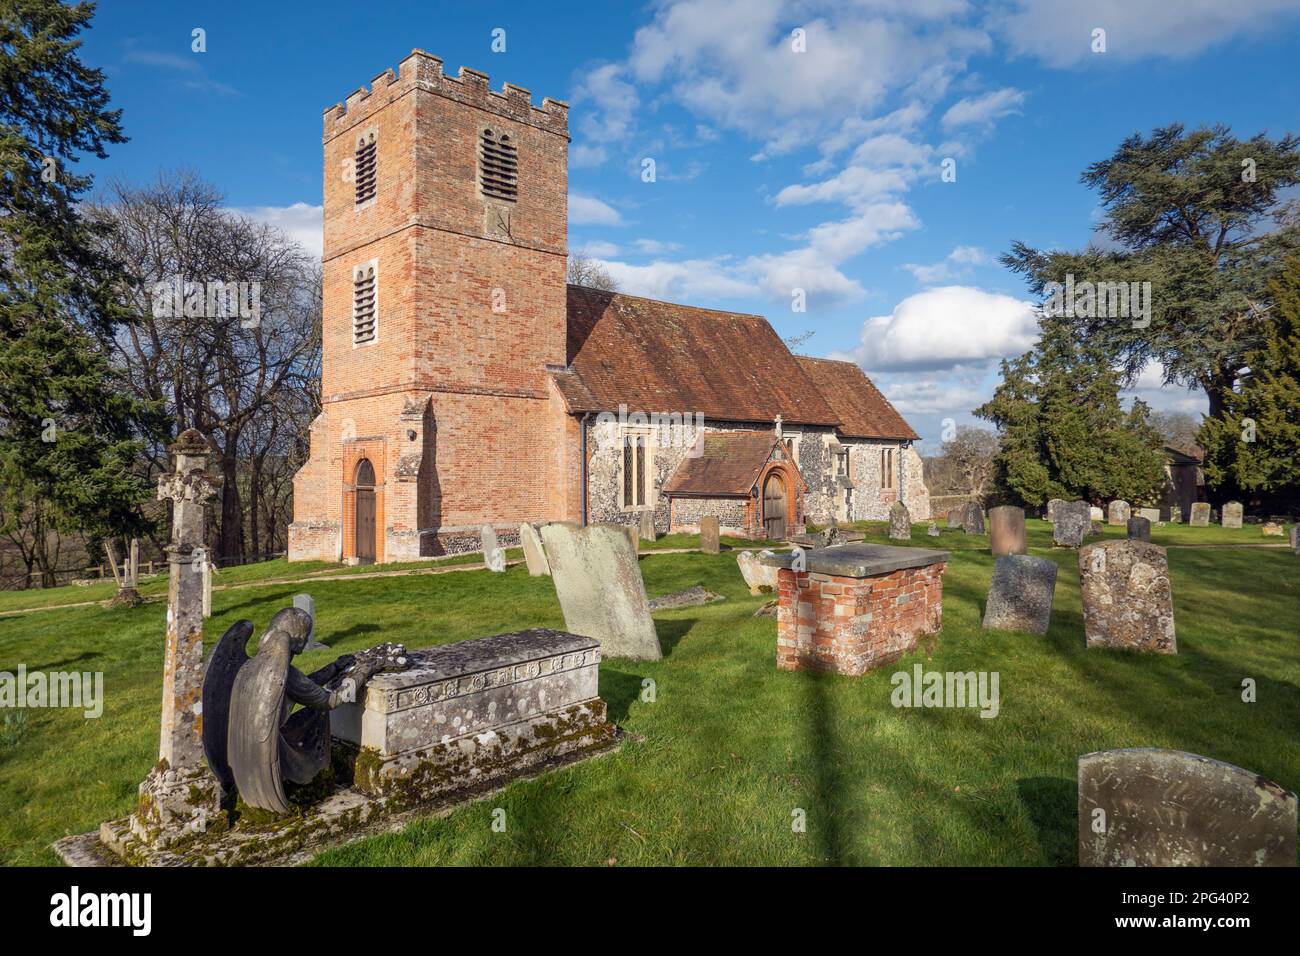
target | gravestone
[
  {"x": 305, "y": 602},
  {"x": 598, "y": 583},
  {"x": 1127, "y": 602},
  {"x": 1232, "y": 514},
  {"x": 709, "y": 534},
  {"x": 1175, "y": 514},
  {"x": 756, "y": 574},
  {"x": 1007, "y": 530},
  {"x": 1139, "y": 529},
  {"x": 1150, "y": 807},
  {"x": 933, "y": 530},
  {"x": 972, "y": 518},
  {"x": 1118, "y": 512},
  {"x": 1295, "y": 538},
  {"x": 1071, "y": 524},
  {"x": 1020, "y": 595},
  {"x": 900, "y": 522},
  {"x": 1272, "y": 529},
  {"x": 494, "y": 556},
  {"x": 1052, "y": 506},
  {"x": 648, "y": 532},
  {"x": 534, "y": 551},
  {"x": 1200, "y": 515},
  {"x": 689, "y": 597},
  {"x": 1151, "y": 514},
  {"x": 954, "y": 517},
  {"x": 1095, "y": 513}
]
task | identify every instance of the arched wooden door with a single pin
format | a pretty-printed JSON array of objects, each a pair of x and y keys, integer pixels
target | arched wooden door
[
  {"x": 774, "y": 507},
  {"x": 365, "y": 516}
]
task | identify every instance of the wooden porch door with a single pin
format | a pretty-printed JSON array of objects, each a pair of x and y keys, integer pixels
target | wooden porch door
[
  {"x": 774, "y": 507},
  {"x": 365, "y": 515}
]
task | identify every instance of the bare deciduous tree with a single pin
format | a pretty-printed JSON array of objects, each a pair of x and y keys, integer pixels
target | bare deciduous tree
[{"x": 585, "y": 271}]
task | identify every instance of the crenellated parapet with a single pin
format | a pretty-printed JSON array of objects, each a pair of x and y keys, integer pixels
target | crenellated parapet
[{"x": 424, "y": 71}]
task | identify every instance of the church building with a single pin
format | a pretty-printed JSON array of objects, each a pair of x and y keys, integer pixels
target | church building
[{"x": 464, "y": 382}]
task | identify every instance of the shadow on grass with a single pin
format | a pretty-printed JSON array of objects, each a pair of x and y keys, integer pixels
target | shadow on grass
[
  {"x": 1052, "y": 804},
  {"x": 671, "y": 633}
]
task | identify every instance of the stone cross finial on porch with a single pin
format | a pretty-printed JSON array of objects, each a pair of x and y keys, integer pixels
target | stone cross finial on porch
[
  {"x": 778, "y": 426},
  {"x": 189, "y": 487}
]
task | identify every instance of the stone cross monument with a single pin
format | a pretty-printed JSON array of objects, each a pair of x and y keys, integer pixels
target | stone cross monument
[{"x": 180, "y": 795}]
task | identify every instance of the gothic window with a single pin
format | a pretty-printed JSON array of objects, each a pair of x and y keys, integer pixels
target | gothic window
[
  {"x": 887, "y": 468},
  {"x": 842, "y": 463},
  {"x": 638, "y": 470},
  {"x": 365, "y": 167},
  {"x": 498, "y": 166},
  {"x": 365, "y": 299}
]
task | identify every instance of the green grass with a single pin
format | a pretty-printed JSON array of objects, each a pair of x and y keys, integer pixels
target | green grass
[{"x": 731, "y": 746}]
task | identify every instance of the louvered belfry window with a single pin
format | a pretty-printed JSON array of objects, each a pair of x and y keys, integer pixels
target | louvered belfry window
[
  {"x": 498, "y": 166},
  {"x": 365, "y": 167},
  {"x": 364, "y": 304}
]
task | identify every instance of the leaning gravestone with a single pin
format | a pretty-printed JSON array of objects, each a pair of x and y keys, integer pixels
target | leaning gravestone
[
  {"x": 756, "y": 574},
  {"x": 709, "y": 543},
  {"x": 1149, "y": 807},
  {"x": 1232, "y": 514},
  {"x": 1052, "y": 507},
  {"x": 1072, "y": 523},
  {"x": 598, "y": 582},
  {"x": 534, "y": 551},
  {"x": 900, "y": 522},
  {"x": 972, "y": 518},
  {"x": 494, "y": 556},
  {"x": 1127, "y": 602},
  {"x": 1118, "y": 512},
  {"x": 1139, "y": 529},
  {"x": 1020, "y": 596},
  {"x": 1200, "y": 515},
  {"x": 1007, "y": 530},
  {"x": 1151, "y": 514},
  {"x": 954, "y": 517}
]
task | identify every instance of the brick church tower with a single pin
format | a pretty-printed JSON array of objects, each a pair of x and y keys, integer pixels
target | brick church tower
[{"x": 444, "y": 305}]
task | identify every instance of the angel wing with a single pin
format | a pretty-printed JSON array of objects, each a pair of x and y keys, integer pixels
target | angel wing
[
  {"x": 218, "y": 681},
  {"x": 257, "y": 707}
]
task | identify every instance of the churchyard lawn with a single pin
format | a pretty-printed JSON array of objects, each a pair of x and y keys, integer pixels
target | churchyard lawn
[{"x": 718, "y": 764}]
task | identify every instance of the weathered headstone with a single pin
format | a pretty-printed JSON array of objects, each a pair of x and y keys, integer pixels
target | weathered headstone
[
  {"x": 1020, "y": 595},
  {"x": 972, "y": 518},
  {"x": 1272, "y": 529},
  {"x": 900, "y": 522},
  {"x": 1295, "y": 538},
  {"x": 1095, "y": 513},
  {"x": 207, "y": 569},
  {"x": 534, "y": 551},
  {"x": 1118, "y": 512},
  {"x": 954, "y": 517},
  {"x": 1052, "y": 505},
  {"x": 599, "y": 586},
  {"x": 1200, "y": 515},
  {"x": 1139, "y": 529},
  {"x": 688, "y": 597},
  {"x": 1232, "y": 514},
  {"x": 1007, "y": 530},
  {"x": 1071, "y": 524},
  {"x": 1175, "y": 514},
  {"x": 1149, "y": 807},
  {"x": 306, "y": 603},
  {"x": 756, "y": 574},
  {"x": 933, "y": 530},
  {"x": 709, "y": 534},
  {"x": 1127, "y": 602},
  {"x": 648, "y": 532},
  {"x": 494, "y": 556},
  {"x": 1151, "y": 514}
]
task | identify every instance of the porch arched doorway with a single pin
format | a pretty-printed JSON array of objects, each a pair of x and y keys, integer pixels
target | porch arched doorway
[
  {"x": 364, "y": 522},
  {"x": 774, "y": 507}
]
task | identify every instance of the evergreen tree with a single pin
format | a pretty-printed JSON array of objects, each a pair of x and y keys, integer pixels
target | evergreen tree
[
  {"x": 1065, "y": 433},
  {"x": 1255, "y": 445},
  {"x": 68, "y": 433}
]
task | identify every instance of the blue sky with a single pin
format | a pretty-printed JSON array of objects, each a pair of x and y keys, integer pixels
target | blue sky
[{"x": 776, "y": 168}]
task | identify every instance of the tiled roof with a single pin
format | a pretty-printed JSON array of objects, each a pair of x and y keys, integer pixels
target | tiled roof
[
  {"x": 862, "y": 410},
  {"x": 729, "y": 465},
  {"x": 659, "y": 357}
]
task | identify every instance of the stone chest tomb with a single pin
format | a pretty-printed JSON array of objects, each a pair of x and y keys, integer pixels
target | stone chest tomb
[{"x": 469, "y": 712}]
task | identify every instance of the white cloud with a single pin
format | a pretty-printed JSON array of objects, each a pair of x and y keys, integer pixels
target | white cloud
[
  {"x": 1060, "y": 34},
  {"x": 302, "y": 222},
  {"x": 590, "y": 211},
  {"x": 597, "y": 248},
  {"x": 655, "y": 247},
  {"x": 685, "y": 281},
  {"x": 957, "y": 263},
  {"x": 983, "y": 110},
  {"x": 946, "y": 327}
]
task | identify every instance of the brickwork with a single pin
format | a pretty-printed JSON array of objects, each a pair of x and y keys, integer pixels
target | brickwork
[{"x": 853, "y": 625}]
